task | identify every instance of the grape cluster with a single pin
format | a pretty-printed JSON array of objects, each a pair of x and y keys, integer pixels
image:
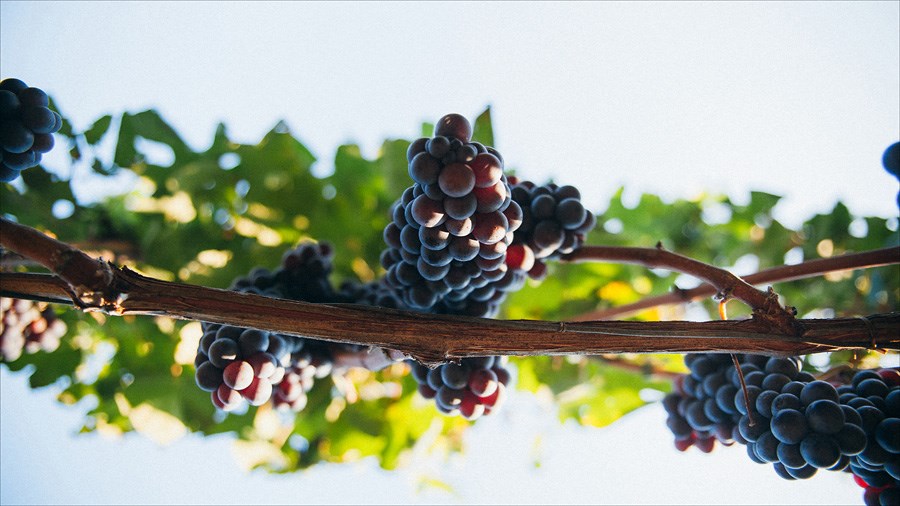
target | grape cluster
[
  {"x": 26, "y": 127},
  {"x": 875, "y": 395},
  {"x": 449, "y": 232},
  {"x": 240, "y": 364},
  {"x": 236, "y": 364},
  {"x": 797, "y": 423},
  {"x": 472, "y": 388},
  {"x": 554, "y": 223},
  {"x": 28, "y": 326}
]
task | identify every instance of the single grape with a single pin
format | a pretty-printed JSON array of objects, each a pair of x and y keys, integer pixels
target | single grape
[
  {"x": 208, "y": 377},
  {"x": 238, "y": 375},
  {"x": 825, "y": 416},
  {"x": 415, "y": 147},
  {"x": 820, "y": 450},
  {"x": 456, "y": 180},
  {"x": 491, "y": 198},
  {"x": 258, "y": 392},
  {"x": 454, "y": 126},
  {"x": 490, "y": 227},
  {"x": 438, "y": 146},
  {"x": 424, "y": 168},
  {"x": 789, "y": 426},
  {"x": 461, "y": 208},
  {"x": 816, "y": 390},
  {"x": 427, "y": 212},
  {"x": 483, "y": 382},
  {"x": 253, "y": 341},
  {"x": 887, "y": 434},
  {"x": 851, "y": 439},
  {"x": 487, "y": 170},
  {"x": 264, "y": 365},
  {"x": 570, "y": 213},
  {"x": 891, "y": 159},
  {"x": 222, "y": 352},
  {"x": 790, "y": 455}
]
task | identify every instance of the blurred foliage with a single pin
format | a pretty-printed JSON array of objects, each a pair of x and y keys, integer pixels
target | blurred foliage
[{"x": 207, "y": 217}]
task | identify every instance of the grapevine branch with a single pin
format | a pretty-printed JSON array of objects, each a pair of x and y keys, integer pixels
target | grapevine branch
[
  {"x": 765, "y": 304},
  {"x": 96, "y": 285},
  {"x": 782, "y": 273}
]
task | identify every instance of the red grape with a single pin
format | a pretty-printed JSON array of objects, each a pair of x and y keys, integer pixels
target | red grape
[
  {"x": 520, "y": 256},
  {"x": 238, "y": 375},
  {"x": 454, "y": 126},
  {"x": 258, "y": 392},
  {"x": 487, "y": 170},
  {"x": 456, "y": 180},
  {"x": 490, "y": 227}
]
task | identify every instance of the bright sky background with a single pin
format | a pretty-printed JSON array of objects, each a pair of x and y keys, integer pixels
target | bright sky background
[{"x": 674, "y": 98}]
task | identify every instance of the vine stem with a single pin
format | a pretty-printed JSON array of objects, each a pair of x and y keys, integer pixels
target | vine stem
[
  {"x": 96, "y": 285},
  {"x": 782, "y": 273},
  {"x": 764, "y": 304}
]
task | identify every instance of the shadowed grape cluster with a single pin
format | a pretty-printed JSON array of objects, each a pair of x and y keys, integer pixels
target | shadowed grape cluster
[
  {"x": 26, "y": 127},
  {"x": 28, "y": 326},
  {"x": 554, "y": 223},
  {"x": 240, "y": 365},
  {"x": 472, "y": 388},
  {"x": 797, "y": 423}
]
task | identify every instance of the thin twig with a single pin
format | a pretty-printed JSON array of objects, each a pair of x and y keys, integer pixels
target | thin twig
[
  {"x": 765, "y": 305},
  {"x": 783, "y": 273}
]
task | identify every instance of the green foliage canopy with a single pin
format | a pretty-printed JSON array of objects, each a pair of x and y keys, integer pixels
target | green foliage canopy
[{"x": 207, "y": 217}]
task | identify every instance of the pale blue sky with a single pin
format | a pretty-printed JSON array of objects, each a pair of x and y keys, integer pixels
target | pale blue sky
[{"x": 675, "y": 98}]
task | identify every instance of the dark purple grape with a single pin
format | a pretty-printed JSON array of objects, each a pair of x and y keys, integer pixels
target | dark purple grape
[
  {"x": 491, "y": 198},
  {"x": 222, "y": 352},
  {"x": 15, "y": 138},
  {"x": 790, "y": 456},
  {"x": 253, "y": 341},
  {"x": 456, "y": 180},
  {"x": 789, "y": 426},
  {"x": 774, "y": 382},
  {"x": 434, "y": 238},
  {"x": 416, "y": 147},
  {"x": 543, "y": 207},
  {"x": 34, "y": 97},
  {"x": 803, "y": 473},
  {"x": 785, "y": 366},
  {"x": 752, "y": 432},
  {"x": 40, "y": 120},
  {"x": 861, "y": 376},
  {"x": 454, "y": 126},
  {"x": 764, "y": 402},
  {"x": 455, "y": 376},
  {"x": 208, "y": 377},
  {"x": 767, "y": 447},
  {"x": 825, "y": 417},
  {"x": 461, "y": 208},
  {"x": 851, "y": 439},
  {"x": 427, "y": 212},
  {"x": 785, "y": 401},
  {"x": 816, "y": 390},
  {"x": 887, "y": 434},
  {"x": 438, "y": 146},
  {"x": 820, "y": 450},
  {"x": 409, "y": 239},
  {"x": 872, "y": 387},
  {"x": 424, "y": 168},
  {"x": 570, "y": 213}
]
